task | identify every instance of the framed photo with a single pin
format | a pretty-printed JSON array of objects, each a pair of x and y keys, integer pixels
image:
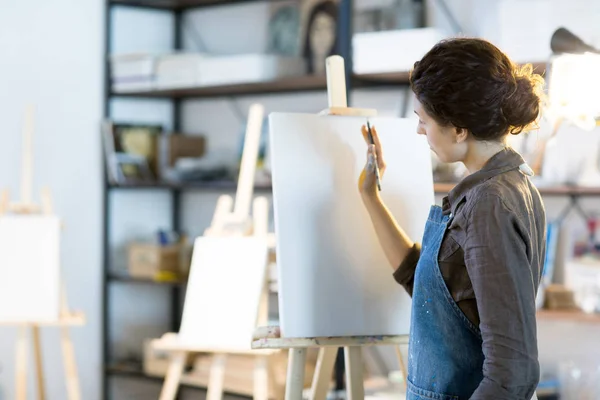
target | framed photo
[
  {"x": 320, "y": 34},
  {"x": 131, "y": 152}
]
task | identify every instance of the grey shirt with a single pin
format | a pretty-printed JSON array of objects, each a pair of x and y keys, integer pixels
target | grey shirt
[{"x": 491, "y": 259}]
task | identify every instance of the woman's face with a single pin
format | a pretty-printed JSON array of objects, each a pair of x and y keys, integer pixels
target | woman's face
[
  {"x": 322, "y": 33},
  {"x": 444, "y": 141}
]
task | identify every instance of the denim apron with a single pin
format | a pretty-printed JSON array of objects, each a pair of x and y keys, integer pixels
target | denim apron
[{"x": 445, "y": 358}]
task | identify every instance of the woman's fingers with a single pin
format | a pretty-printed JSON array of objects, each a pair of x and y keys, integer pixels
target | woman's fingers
[
  {"x": 377, "y": 143},
  {"x": 365, "y": 134},
  {"x": 378, "y": 151}
]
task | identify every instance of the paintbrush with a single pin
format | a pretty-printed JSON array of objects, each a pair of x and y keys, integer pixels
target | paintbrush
[{"x": 376, "y": 166}]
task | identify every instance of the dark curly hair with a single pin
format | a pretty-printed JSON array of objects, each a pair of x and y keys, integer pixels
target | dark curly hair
[{"x": 469, "y": 83}]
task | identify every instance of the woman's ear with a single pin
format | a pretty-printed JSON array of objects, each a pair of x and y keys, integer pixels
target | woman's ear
[{"x": 461, "y": 134}]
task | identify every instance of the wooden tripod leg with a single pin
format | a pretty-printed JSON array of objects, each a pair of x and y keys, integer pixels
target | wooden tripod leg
[
  {"x": 21, "y": 364},
  {"x": 216, "y": 378},
  {"x": 401, "y": 363},
  {"x": 323, "y": 370},
  {"x": 295, "y": 374},
  {"x": 354, "y": 375},
  {"x": 70, "y": 365},
  {"x": 277, "y": 388},
  {"x": 261, "y": 378},
  {"x": 68, "y": 350},
  {"x": 171, "y": 384},
  {"x": 39, "y": 365}
]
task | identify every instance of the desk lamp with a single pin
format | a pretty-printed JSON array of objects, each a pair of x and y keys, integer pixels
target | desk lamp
[{"x": 574, "y": 98}]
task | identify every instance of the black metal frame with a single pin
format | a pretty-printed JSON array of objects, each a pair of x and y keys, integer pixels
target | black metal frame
[
  {"x": 106, "y": 210},
  {"x": 175, "y": 204},
  {"x": 572, "y": 205}
]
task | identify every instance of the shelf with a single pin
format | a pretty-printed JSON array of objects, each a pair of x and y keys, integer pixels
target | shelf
[
  {"x": 440, "y": 188},
  {"x": 561, "y": 190},
  {"x": 568, "y": 316},
  {"x": 384, "y": 78},
  {"x": 122, "y": 277},
  {"x": 443, "y": 188},
  {"x": 402, "y": 77},
  {"x": 292, "y": 84},
  {"x": 176, "y": 5},
  {"x": 200, "y": 185},
  {"x": 131, "y": 369},
  {"x": 134, "y": 370}
]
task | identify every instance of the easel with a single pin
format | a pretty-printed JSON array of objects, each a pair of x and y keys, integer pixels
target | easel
[
  {"x": 232, "y": 221},
  {"x": 270, "y": 337},
  {"x": 66, "y": 318}
]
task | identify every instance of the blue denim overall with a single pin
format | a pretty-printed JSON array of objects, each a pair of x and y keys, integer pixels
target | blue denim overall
[{"x": 445, "y": 360}]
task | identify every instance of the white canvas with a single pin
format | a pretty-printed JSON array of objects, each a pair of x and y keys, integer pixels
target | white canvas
[
  {"x": 29, "y": 268},
  {"x": 223, "y": 292},
  {"x": 334, "y": 279}
]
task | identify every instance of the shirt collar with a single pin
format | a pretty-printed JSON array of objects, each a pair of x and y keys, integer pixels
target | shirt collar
[{"x": 505, "y": 160}]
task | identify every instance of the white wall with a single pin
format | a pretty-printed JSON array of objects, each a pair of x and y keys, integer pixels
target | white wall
[
  {"x": 51, "y": 57},
  {"x": 521, "y": 28}
]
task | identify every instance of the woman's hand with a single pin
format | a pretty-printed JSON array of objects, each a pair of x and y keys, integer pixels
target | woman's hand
[
  {"x": 367, "y": 182},
  {"x": 395, "y": 243}
]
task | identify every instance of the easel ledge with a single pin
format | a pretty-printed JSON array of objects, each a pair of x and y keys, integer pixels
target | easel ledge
[
  {"x": 275, "y": 342},
  {"x": 71, "y": 319},
  {"x": 169, "y": 342}
]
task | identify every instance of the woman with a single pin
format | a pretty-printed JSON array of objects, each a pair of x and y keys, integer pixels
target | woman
[{"x": 474, "y": 278}]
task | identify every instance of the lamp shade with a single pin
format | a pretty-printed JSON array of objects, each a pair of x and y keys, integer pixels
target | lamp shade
[
  {"x": 574, "y": 88},
  {"x": 564, "y": 41}
]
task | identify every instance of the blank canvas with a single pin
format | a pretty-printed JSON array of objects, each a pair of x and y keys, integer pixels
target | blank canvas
[
  {"x": 223, "y": 293},
  {"x": 29, "y": 268},
  {"x": 334, "y": 279}
]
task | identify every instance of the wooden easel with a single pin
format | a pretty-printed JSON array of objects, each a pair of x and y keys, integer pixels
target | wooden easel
[
  {"x": 232, "y": 221},
  {"x": 66, "y": 318},
  {"x": 270, "y": 337}
]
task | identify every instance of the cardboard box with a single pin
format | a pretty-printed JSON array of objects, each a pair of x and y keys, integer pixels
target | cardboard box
[
  {"x": 181, "y": 146},
  {"x": 132, "y": 72},
  {"x": 150, "y": 260}
]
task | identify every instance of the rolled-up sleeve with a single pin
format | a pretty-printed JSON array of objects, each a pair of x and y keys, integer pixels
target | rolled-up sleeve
[
  {"x": 405, "y": 273},
  {"x": 497, "y": 259}
]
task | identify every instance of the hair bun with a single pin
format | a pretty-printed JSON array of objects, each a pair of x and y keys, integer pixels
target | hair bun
[{"x": 521, "y": 108}]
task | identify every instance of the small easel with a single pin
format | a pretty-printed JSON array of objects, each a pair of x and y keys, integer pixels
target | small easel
[
  {"x": 66, "y": 318},
  {"x": 270, "y": 337},
  {"x": 230, "y": 222}
]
